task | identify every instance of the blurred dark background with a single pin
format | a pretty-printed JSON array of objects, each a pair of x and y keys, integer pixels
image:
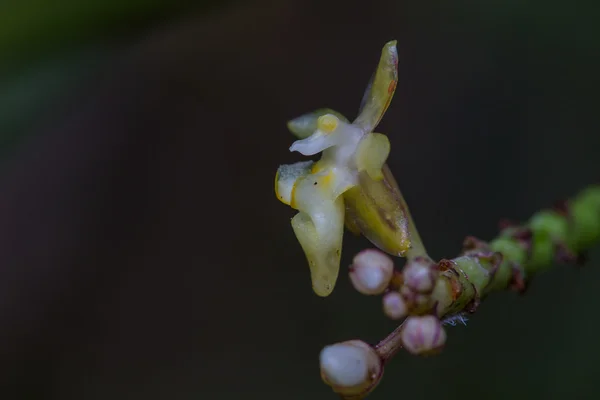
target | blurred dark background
[{"x": 143, "y": 254}]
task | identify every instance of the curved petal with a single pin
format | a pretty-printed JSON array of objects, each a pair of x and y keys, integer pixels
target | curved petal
[
  {"x": 305, "y": 125},
  {"x": 286, "y": 178},
  {"x": 381, "y": 89},
  {"x": 378, "y": 209},
  {"x": 315, "y": 143},
  {"x": 319, "y": 227}
]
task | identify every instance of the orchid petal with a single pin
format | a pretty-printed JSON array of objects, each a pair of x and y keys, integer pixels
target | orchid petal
[
  {"x": 379, "y": 211},
  {"x": 315, "y": 143},
  {"x": 305, "y": 125},
  {"x": 286, "y": 178},
  {"x": 381, "y": 89},
  {"x": 319, "y": 227},
  {"x": 371, "y": 154}
]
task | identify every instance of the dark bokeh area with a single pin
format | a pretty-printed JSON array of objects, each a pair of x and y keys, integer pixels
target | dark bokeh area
[{"x": 143, "y": 254}]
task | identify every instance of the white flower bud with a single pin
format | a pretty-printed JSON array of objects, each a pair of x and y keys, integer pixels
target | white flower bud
[
  {"x": 394, "y": 305},
  {"x": 344, "y": 365},
  {"x": 423, "y": 335},
  {"x": 371, "y": 272},
  {"x": 420, "y": 276},
  {"x": 351, "y": 368}
]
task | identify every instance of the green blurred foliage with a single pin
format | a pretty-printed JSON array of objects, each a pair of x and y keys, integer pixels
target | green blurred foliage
[
  {"x": 36, "y": 28},
  {"x": 48, "y": 47}
]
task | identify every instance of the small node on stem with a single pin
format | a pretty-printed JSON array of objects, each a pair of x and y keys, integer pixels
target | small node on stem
[
  {"x": 423, "y": 335},
  {"x": 351, "y": 368},
  {"x": 394, "y": 305},
  {"x": 371, "y": 272}
]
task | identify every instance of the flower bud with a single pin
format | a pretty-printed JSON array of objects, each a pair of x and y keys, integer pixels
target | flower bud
[
  {"x": 371, "y": 272},
  {"x": 351, "y": 368},
  {"x": 420, "y": 276},
  {"x": 394, "y": 305},
  {"x": 413, "y": 299},
  {"x": 423, "y": 335}
]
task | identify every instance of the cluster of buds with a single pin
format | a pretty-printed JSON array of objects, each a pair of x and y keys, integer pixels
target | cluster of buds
[
  {"x": 354, "y": 368},
  {"x": 406, "y": 293},
  {"x": 411, "y": 292}
]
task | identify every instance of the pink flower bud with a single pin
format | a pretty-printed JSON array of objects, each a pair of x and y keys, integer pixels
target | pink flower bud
[
  {"x": 394, "y": 305},
  {"x": 423, "y": 335},
  {"x": 413, "y": 299},
  {"x": 371, "y": 272},
  {"x": 420, "y": 276}
]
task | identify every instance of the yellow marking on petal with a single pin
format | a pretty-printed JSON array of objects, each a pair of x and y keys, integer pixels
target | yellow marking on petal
[
  {"x": 327, "y": 123},
  {"x": 305, "y": 125},
  {"x": 327, "y": 179},
  {"x": 317, "y": 167},
  {"x": 286, "y": 178},
  {"x": 314, "y": 186},
  {"x": 293, "y": 196}
]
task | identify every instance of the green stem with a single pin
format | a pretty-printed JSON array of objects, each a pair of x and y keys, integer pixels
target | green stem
[
  {"x": 518, "y": 253},
  {"x": 511, "y": 260}
]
